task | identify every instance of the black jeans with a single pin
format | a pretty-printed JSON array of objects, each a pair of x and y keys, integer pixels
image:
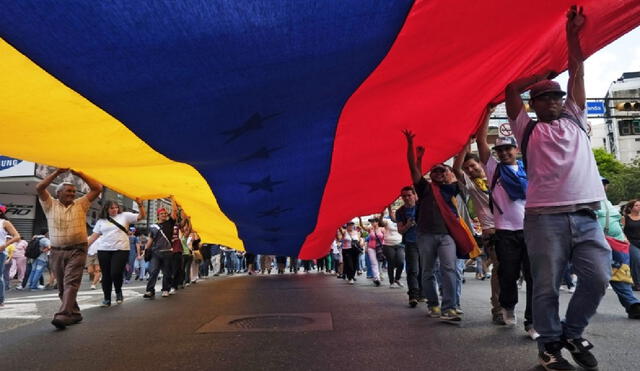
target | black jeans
[
  {"x": 350, "y": 259},
  {"x": 395, "y": 261},
  {"x": 160, "y": 260},
  {"x": 512, "y": 255},
  {"x": 112, "y": 265},
  {"x": 412, "y": 259},
  {"x": 186, "y": 268},
  {"x": 177, "y": 270}
]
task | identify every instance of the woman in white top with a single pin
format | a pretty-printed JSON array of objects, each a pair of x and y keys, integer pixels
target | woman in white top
[
  {"x": 8, "y": 235},
  {"x": 393, "y": 249},
  {"x": 113, "y": 251}
]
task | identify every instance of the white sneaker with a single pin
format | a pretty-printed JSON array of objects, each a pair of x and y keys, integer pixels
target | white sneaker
[
  {"x": 572, "y": 290},
  {"x": 399, "y": 284},
  {"x": 172, "y": 292},
  {"x": 165, "y": 294},
  {"x": 533, "y": 334},
  {"x": 351, "y": 282},
  {"x": 509, "y": 317},
  {"x": 93, "y": 287}
]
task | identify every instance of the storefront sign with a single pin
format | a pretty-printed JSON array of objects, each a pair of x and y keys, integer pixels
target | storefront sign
[{"x": 19, "y": 206}]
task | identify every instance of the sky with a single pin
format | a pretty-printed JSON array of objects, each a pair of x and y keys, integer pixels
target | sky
[{"x": 608, "y": 64}]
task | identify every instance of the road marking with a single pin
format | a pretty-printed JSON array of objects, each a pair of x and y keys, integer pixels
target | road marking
[{"x": 19, "y": 311}]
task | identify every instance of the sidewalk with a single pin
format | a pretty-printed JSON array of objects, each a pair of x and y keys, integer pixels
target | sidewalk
[{"x": 331, "y": 326}]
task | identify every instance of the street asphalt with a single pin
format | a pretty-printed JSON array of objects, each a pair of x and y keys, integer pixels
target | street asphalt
[{"x": 331, "y": 326}]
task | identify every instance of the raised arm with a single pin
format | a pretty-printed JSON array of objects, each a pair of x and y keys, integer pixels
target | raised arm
[
  {"x": 419, "y": 156},
  {"x": 94, "y": 187},
  {"x": 512, "y": 92},
  {"x": 143, "y": 212},
  {"x": 392, "y": 214},
  {"x": 575, "y": 86},
  {"x": 174, "y": 209},
  {"x": 459, "y": 160},
  {"x": 41, "y": 188},
  {"x": 411, "y": 156},
  {"x": 481, "y": 139}
]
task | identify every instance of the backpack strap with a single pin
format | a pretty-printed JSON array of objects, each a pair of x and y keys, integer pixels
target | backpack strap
[
  {"x": 524, "y": 143},
  {"x": 492, "y": 185}
]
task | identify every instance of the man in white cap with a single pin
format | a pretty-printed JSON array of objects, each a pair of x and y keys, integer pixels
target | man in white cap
[
  {"x": 563, "y": 193},
  {"x": 508, "y": 192}
]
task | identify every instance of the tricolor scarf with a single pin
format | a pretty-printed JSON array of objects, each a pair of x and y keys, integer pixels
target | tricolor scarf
[
  {"x": 620, "y": 270},
  {"x": 514, "y": 182},
  {"x": 466, "y": 245}
]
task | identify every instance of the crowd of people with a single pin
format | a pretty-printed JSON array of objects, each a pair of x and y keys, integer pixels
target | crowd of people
[{"x": 541, "y": 220}]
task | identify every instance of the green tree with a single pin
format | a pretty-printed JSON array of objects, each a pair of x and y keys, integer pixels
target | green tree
[{"x": 608, "y": 164}]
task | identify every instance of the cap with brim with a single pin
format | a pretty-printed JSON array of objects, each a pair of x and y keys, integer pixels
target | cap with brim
[
  {"x": 545, "y": 87},
  {"x": 162, "y": 209},
  {"x": 505, "y": 142},
  {"x": 3, "y": 208},
  {"x": 438, "y": 166}
]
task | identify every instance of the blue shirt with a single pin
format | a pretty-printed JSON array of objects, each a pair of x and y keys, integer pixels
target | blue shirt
[{"x": 403, "y": 215}]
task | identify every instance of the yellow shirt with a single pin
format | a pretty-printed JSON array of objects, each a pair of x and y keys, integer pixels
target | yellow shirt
[{"x": 67, "y": 225}]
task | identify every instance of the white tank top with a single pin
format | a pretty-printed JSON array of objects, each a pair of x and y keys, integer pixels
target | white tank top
[{"x": 3, "y": 232}]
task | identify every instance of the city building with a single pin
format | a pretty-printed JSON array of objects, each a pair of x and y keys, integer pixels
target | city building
[{"x": 622, "y": 117}]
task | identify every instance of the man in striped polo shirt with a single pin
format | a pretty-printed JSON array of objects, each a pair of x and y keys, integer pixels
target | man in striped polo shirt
[{"x": 66, "y": 218}]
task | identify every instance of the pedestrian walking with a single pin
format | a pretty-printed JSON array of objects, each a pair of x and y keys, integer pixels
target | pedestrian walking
[{"x": 66, "y": 219}]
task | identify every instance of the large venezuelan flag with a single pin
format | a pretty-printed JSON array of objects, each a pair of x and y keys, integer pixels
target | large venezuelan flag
[{"x": 271, "y": 121}]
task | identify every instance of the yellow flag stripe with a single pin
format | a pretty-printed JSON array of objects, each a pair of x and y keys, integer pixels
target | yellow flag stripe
[{"x": 44, "y": 121}]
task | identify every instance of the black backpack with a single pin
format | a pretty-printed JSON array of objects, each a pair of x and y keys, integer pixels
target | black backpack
[{"x": 33, "y": 248}]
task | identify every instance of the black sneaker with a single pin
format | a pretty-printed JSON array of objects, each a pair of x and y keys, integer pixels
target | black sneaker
[
  {"x": 552, "y": 359},
  {"x": 634, "y": 311},
  {"x": 498, "y": 319},
  {"x": 376, "y": 282},
  {"x": 579, "y": 349},
  {"x": 413, "y": 303}
]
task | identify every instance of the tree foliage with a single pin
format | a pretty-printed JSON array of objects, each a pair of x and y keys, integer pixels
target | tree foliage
[{"x": 624, "y": 179}]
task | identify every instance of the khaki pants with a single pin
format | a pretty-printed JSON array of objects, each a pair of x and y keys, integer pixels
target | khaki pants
[
  {"x": 68, "y": 266},
  {"x": 490, "y": 250}
]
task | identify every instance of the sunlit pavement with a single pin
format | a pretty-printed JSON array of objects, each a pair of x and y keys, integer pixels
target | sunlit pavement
[{"x": 315, "y": 322}]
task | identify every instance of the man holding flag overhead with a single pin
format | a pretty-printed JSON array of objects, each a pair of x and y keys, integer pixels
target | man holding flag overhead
[{"x": 563, "y": 193}]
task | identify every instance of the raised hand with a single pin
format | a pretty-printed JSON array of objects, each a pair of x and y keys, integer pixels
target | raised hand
[
  {"x": 575, "y": 19},
  {"x": 408, "y": 134},
  {"x": 419, "y": 151}
]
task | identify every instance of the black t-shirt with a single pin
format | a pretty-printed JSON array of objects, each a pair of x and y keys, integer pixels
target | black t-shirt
[
  {"x": 430, "y": 220},
  {"x": 159, "y": 241}
]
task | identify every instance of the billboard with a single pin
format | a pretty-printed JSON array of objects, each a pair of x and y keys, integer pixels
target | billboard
[{"x": 13, "y": 167}]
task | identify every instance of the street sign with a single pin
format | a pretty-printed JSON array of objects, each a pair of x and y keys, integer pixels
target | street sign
[
  {"x": 505, "y": 130},
  {"x": 595, "y": 108}
]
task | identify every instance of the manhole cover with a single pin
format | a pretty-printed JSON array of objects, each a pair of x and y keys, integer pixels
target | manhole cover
[{"x": 271, "y": 322}]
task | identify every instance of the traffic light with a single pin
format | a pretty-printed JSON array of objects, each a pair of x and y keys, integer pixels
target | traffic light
[{"x": 628, "y": 106}]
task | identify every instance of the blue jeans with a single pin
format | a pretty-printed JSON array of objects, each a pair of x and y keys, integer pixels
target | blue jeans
[
  {"x": 625, "y": 294},
  {"x": 37, "y": 267},
  {"x": 634, "y": 261},
  {"x": 459, "y": 276},
  {"x": 433, "y": 247},
  {"x": 553, "y": 240},
  {"x": 3, "y": 257}
]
